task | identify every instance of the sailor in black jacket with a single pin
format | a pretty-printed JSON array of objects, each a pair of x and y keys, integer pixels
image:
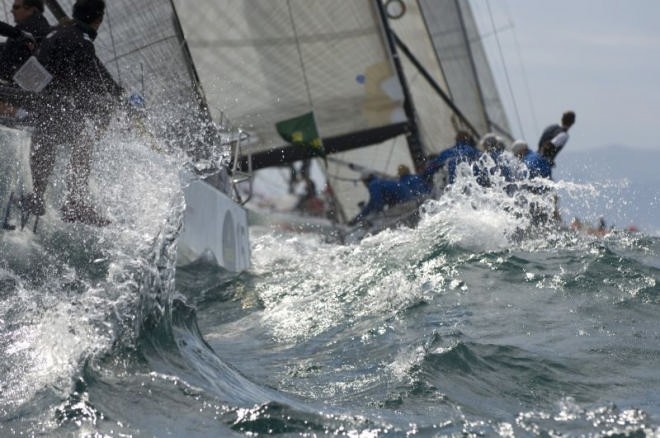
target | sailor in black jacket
[
  {"x": 31, "y": 27},
  {"x": 79, "y": 77},
  {"x": 75, "y": 107}
]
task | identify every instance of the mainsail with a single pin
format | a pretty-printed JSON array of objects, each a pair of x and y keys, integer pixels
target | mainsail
[
  {"x": 269, "y": 61},
  {"x": 273, "y": 60}
]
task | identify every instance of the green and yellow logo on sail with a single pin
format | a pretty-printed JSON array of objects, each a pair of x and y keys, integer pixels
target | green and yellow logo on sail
[{"x": 301, "y": 131}]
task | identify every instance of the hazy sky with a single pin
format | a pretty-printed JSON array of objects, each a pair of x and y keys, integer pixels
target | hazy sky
[{"x": 600, "y": 58}]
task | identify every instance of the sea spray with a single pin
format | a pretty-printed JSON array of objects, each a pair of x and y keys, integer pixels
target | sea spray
[{"x": 71, "y": 291}]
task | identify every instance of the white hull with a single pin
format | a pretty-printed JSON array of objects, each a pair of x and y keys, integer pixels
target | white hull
[{"x": 214, "y": 226}]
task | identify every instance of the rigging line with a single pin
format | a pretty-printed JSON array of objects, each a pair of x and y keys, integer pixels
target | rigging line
[
  {"x": 190, "y": 65},
  {"x": 434, "y": 84},
  {"x": 525, "y": 79},
  {"x": 304, "y": 71},
  {"x": 322, "y": 163},
  {"x": 502, "y": 28},
  {"x": 473, "y": 67},
  {"x": 114, "y": 50},
  {"x": 394, "y": 147},
  {"x": 300, "y": 57},
  {"x": 415, "y": 147},
  {"x": 506, "y": 71}
]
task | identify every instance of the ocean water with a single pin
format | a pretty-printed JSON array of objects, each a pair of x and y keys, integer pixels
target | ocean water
[
  {"x": 463, "y": 326},
  {"x": 622, "y": 185}
]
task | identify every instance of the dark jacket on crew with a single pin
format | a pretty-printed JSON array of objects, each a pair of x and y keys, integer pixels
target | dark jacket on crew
[
  {"x": 81, "y": 91},
  {"x": 16, "y": 50},
  {"x": 79, "y": 77},
  {"x": 547, "y": 149}
]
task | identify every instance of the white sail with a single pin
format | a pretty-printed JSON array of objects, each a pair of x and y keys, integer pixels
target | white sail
[
  {"x": 437, "y": 122},
  {"x": 465, "y": 67}
]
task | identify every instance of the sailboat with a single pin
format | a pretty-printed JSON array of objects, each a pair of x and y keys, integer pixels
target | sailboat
[
  {"x": 143, "y": 47},
  {"x": 383, "y": 83}
]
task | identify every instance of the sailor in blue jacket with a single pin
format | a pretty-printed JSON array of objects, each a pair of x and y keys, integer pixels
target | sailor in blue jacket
[
  {"x": 382, "y": 193},
  {"x": 536, "y": 166},
  {"x": 494, "y": 161},
  {"x": 414, "y": 185},
  {"x": 533, "y": 165},
  {"x": 462, "y": 151}
]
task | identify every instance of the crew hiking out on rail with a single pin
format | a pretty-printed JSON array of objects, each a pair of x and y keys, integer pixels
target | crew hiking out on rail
[{"x": 75, "y": 108}]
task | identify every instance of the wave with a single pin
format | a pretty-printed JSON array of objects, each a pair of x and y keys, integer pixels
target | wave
[
  {"x": 91, "y": 317},
  {"x": 352, "y": 318},
  {"x": 71, "y": 293},
  {"x": 460, "y": 318}
]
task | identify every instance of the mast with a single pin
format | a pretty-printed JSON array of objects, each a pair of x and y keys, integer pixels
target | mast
[{"x": 412, "y": 137}]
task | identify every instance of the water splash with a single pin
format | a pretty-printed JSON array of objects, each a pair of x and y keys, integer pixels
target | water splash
[{"x": 72, "y": 292}]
